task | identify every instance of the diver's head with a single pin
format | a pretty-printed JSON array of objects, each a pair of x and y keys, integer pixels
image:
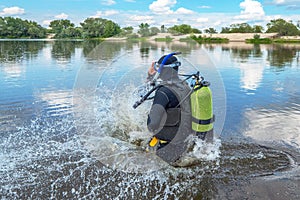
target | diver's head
[
  {"x": 172, "y": 62},
  {"x": 169, "y": 69}
]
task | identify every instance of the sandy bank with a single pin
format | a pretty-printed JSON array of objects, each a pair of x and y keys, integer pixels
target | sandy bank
[{"x": 233, "y": 37}]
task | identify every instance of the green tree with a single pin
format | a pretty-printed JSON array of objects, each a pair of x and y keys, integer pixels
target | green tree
[
  {"x": 34, "y": 32},
  {"x": 61, "y": 24},
  {"x": 64, "y": 28},
  {"x": 111, "y": 29},
  {"x": 127, "y": 30},
  {"x": 17, "y": 28},
  {"x": 282, "y": 27},
  {"x": 144, "y": 29},
  {"x": 98, "y": 27},
  {"x": 258, "y": 29},
  {"x": 210, "y": 30},
  {"x": 225, "y": 30},
  {"x": 154, "y": 31},
  {"x": 72, "y": 32},
  {"x": 241, "y": 28},
  {"x": 195, "y": 30},
  {"x": 163, "y": 29},
  {"x": 182, "y": 29}
]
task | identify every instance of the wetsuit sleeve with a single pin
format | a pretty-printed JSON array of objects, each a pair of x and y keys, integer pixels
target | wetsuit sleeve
[{"x": 158, "y": 111}]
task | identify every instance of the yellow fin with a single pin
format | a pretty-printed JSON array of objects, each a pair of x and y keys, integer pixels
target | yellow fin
[{"x": 153, "y": 142}]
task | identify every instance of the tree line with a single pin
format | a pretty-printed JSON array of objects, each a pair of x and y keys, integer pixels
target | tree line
[
  {"x": 17, "y": 28},
  {"x": 102, "y": 28},
  {"x": 91, "y": 28},
  {"x": 280, "y": 26}
]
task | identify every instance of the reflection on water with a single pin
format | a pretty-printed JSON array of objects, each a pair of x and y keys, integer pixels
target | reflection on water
[
  {"x": 51, "y": 130},
  {"x": 283, "y": 56},
  {"x": 15, "y": 51},
  {"x": 282, "y": 126}
]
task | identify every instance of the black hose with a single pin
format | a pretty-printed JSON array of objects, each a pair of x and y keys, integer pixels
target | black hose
[{"x": 145, "y": 97}]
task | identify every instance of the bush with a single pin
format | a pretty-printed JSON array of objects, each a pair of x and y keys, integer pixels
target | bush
[
  {"x": 259, "y": 41},
  {"x": 166, "y": 39}
]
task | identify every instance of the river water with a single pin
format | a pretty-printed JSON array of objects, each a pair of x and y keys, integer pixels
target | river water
[{"x": 68, "y": 129}]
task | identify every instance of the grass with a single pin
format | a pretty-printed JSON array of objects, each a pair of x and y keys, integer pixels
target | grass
[
  {"x": 286, "y": 41},
  {"x": 166, "y": 39},
  {"x": 270, "y": 41},
  {"x": 259, "y": 41},
  {"x": 139, "y": 39},
  {"x": 201, "y": 39}
]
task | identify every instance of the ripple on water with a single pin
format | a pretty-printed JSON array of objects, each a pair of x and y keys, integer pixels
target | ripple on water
[{"x": 47, "y": 159}]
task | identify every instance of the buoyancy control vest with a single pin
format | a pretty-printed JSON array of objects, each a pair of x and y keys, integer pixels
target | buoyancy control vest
[
  {"x": 174, "y": 150},
  {"x": 196, "y": 117}
]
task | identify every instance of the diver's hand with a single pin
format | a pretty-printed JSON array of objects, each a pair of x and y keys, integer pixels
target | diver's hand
[{"x": 151, "y": 70}]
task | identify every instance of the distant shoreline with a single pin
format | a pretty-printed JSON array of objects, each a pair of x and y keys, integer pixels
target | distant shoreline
[
  {"x": 232, "y": 37},
  {"x": 43, "y": 39}
]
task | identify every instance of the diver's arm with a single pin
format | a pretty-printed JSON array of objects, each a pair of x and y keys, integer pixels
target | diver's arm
[{"x": 157, "y": 115}]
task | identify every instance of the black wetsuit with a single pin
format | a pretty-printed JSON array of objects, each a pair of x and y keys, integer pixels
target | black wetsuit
[{"x": 166, "y": 99}]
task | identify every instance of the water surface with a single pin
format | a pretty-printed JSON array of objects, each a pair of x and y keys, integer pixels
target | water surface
[{"x": 67, "y": 123}]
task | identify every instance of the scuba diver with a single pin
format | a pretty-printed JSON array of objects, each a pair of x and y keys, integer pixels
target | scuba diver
[
  {"x": 174, "y": 114},
  {"x": 164, "y": 117}
]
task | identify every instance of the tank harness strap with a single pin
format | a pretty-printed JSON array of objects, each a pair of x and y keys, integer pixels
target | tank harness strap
[{"x": 204, "y": 121}]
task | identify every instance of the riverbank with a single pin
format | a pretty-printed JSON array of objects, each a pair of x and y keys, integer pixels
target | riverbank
[{"x": 232, "y": 37}]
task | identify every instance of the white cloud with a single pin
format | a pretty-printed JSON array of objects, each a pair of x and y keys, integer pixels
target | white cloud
[
  {"x": 162, "y": 6},
  {"x": 269, "y": 18},
  {"x": 12, "y": 11},
  {"x": 289, "y": 4},
  {"x": 46, "y": 22},
  {"x": 286, "y": 2},
  {"x": 108, "y": 2},
  {"x": 169, "y": 22},
  {"x": 279, "y": 1},
  {"x": 202, "y": 19},
  {"x": 61, "y": 16},
  {"x": 217, "y": 23},
  {"x": 184, "y": 11},
  {"x": 106, "y": 13},
  {"x": 205, "y": 7},
  {"x": 141, "y": 19},
  {"x": 251, "y": 10}
]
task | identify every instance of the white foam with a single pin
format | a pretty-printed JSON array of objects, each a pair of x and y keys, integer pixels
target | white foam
[{"x": 200, "y": 151}]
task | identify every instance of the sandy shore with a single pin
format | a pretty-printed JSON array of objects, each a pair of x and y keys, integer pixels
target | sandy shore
[{"x": 233, "y": 37}]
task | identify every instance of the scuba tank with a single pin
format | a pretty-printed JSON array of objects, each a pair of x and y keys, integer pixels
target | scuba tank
[{"x": 202, "y": 109}]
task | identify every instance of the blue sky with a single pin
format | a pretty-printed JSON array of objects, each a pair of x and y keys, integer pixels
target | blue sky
[{"x": 199, "y": 14}]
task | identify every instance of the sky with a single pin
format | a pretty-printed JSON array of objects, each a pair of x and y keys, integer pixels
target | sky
[{"x": 200, "y": 14}]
